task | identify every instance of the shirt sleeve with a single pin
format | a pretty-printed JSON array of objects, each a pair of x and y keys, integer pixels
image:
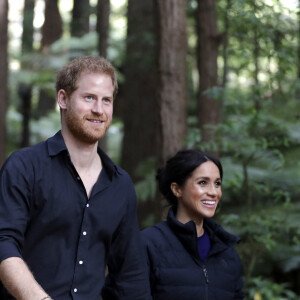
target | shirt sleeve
[
  {"x": 127, "y": 271},
  {"x": 14, "y": 206}
]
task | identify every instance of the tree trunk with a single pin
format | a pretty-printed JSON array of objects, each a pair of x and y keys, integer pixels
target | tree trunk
[
  {"x": 3, "y": 76},
  {"x": 80, "y": 18},
  {"x": 51, "y": 31},
  {"x": 256, "y": 90},
  {"x": 103, "y": 11},
  {"x": 27, "y": 35},
  {"x": 24, "y": 90},
  {"x": 53, "y": 26},
  {"x": 172, "y": 91},
  {"x": 298, "y": 54},
  {"x": 256, "y": 52},
  {"x": 139, "y": 110},
  {"x": 138, "y": 106},
  {"x": 225, "y": 54},
  {"x": 209, "y": 108}
]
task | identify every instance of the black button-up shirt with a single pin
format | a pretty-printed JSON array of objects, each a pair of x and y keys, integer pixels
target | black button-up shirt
[{"x": 66, "y": 238}]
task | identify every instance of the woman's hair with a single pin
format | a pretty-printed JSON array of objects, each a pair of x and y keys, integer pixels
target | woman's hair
[
  {"x": 179, "y": 168},
  {"x": 68, "y": 76}
]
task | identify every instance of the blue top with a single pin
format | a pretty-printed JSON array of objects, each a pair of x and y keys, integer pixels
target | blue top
[
  {"x": 66, "y": 238},
  {"x": 203, "y": 245}
]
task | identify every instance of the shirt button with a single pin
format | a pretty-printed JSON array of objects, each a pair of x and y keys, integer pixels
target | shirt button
[
  {"x": 84, "y": 233},
  {"x": 87, "y": 205},
  {"x": 75, "y": 290},
  {"x": 78, "y": 178},
  {"x": 80, "y": 262}
]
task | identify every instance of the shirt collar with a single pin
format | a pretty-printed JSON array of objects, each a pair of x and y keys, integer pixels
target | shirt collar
[{"x": 56, "y": 145}]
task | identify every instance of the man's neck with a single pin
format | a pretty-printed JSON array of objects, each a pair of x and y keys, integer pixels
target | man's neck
[{"x": 83, "y": 155}]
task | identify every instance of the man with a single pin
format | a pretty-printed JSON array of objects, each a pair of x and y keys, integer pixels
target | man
[{"x": 66, "y": 210}]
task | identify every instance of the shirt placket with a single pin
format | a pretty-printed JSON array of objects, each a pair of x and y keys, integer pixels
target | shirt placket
[{"x": 82, "y": 258}]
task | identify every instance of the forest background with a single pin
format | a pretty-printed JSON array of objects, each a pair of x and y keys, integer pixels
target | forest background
[{"x": 221, "y": 76}]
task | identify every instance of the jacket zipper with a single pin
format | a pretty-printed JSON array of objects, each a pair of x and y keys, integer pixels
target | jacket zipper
[
  {"x": 206, "y": 279},
  {"x": 205, "y": 273}
]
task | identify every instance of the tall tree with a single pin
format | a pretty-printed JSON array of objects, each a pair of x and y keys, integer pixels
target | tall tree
[
  {"x": 103, "y": 12},
  {"x": 298, "y": 51},
  {"x": 209, "y": 108},
  {"x": 3, "y": 76},
  {"x": 172, "y": 91},
  {"x": 51, "y": 31},
  {"x": 256, "y": 50},
  {"x": 24, "y": 90},
  {"x": 80, "y": 18},
  {"x": 225, "y": 51},
  {"x": 139, "y": 108},
  {"x": 53, "y": 26}
]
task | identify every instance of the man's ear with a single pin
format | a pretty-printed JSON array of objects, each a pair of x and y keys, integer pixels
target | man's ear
[
  {"x": 175, "y": 189},
  {"x": 62, "y": 99}
]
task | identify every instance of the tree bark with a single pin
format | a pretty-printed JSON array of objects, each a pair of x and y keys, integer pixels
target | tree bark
[
  {"x": 51, "y": 31},
  {"x": 225, "y": 54},
  {"x": 3, "y": 76},
  {"x": 27, "y": 35},
  {"x": 80, "y": 18},
  {"x": 172, "y": 91},
  {"x": 298, "y": 54},
  {"x": 103, "y": 11},
  {"x": 53, "y": 26},
  {"x": 24, "y": 90},
  {"x": 139, "y": 110},
  {"x": 138, "y": 107},
  {"x": 209, "y": 108}
]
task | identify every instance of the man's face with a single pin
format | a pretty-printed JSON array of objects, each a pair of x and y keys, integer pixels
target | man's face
[{"x": 88, "y": 111}]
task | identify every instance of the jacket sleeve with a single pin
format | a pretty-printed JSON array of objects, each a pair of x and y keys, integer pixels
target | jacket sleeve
[
  {"x": 127, "y": 274},
  {"x": 239, "y": 292},
  {"x": 15, "y": 190},
  {"x": 146, "y": 235}
]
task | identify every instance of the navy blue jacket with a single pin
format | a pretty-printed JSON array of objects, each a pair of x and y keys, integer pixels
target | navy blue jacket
[{"x": 176, "y": 270}]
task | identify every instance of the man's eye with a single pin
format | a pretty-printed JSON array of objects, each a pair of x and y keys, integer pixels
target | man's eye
[
  {"x": 89, "y": 98},
  {"x": 107, "y": 100}
]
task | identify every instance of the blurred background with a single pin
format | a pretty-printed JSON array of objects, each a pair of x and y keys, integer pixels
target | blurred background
[{"x": 222, "y": 76}]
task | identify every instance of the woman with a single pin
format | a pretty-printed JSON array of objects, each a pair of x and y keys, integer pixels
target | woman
[{"x": 190, "y": 256}]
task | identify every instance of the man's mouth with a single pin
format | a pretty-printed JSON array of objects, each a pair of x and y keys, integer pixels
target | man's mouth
[{"x": 95, "y": 121}]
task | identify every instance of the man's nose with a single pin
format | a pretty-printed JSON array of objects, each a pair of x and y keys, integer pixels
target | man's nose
[{"x": 98, "y": 107}]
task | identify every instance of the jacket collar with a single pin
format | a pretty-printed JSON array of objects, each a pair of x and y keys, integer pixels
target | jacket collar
[
  {"x": 56, "y": 145},
  {"x": 187, "y": 234}
]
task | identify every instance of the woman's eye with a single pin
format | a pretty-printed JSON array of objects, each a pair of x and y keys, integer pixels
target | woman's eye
[
  {"x": 203, "y": 182},
  {"x": 218, "y": 183}
]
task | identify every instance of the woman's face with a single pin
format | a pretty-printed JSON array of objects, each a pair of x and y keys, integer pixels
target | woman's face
[{"x": 200, "y": 195}]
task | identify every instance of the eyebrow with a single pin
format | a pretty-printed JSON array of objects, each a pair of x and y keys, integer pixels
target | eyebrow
[{"x": 207, "y": 178}]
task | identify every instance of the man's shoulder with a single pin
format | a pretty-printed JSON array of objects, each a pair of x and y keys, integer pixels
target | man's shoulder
[{"x": 30, "y": 153}]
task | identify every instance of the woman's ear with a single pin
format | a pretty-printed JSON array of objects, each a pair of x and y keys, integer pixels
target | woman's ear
[
  {"x": 62, "y": 99},
  {"x": 175, "y": 189}
]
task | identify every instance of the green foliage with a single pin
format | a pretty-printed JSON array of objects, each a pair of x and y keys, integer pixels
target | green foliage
[
  {"x": 44, "y": 127},
  {"x": 146, "y": 187},
  {"x": 264, "y": 289},
  {"x": 258, "y": 139}
]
